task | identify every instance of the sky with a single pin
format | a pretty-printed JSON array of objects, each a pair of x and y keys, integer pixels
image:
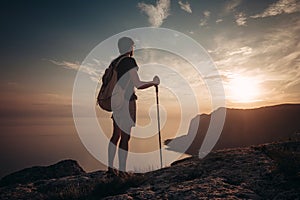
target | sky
[{"x": 254, "y": 44}]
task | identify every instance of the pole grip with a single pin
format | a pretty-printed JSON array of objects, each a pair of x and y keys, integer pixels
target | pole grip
[{"x": 156, "y": 89}]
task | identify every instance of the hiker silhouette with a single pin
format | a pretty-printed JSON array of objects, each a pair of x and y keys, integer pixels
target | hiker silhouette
[{"x": 125, "y": 117}]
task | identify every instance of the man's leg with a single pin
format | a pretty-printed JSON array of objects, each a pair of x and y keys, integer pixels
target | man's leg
[
  {"x": 125, "y": 135},
  {"x": 113, "y": 145},
  {"x": 123, "y": 149}
]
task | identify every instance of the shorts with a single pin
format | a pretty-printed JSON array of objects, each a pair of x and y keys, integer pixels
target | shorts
[{"x": 123, "y": 118}]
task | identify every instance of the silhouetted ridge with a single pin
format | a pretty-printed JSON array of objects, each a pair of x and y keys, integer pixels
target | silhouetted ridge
[{"x": 243, "y": 127}]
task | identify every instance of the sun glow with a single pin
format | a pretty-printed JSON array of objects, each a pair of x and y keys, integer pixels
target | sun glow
[{"x": 243, "y": 90}]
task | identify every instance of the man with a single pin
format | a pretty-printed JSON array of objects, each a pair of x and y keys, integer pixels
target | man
[{"x": 125, "y": 118}]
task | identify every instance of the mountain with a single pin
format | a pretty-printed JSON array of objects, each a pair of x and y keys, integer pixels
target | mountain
[
  {"x": 268, "y": 171},
  {"x": 242, "y": 127}
]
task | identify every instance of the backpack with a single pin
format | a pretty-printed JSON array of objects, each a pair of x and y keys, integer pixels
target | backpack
[{"x": 109, "y": 81}]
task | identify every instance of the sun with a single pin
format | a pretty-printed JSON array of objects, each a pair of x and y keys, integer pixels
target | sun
[{"x": 243, "y": 90}]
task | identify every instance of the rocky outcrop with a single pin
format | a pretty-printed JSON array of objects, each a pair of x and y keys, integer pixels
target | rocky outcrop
[
  {"x": 269, "y": 171},
  {"x": 29, "y": 175}
]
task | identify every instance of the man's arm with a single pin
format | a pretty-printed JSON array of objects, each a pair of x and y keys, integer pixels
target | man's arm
[{"x": 141, "y": 84}]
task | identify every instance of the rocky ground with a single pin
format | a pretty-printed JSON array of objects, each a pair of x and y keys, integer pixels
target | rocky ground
[{"x": 269, "y": 171}]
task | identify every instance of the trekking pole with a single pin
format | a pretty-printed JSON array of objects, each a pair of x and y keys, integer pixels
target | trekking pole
[{"x": 158, "y": 124}]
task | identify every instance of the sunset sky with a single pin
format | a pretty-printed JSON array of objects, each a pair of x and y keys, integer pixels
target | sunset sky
[{"x": 254, "y": 44}]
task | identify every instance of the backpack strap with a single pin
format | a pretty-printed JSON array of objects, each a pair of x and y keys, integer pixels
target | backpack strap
[
  {"x": 115, "y": 67},
  {"x": 118, "y": 62}
]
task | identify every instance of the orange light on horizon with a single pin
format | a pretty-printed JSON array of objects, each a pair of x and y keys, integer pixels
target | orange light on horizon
[{"x": 243, "y": 90}]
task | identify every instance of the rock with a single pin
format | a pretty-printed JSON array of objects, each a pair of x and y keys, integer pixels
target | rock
[
  {"x": 244, "y": 173},
  {"x": 28, "y": 175}
]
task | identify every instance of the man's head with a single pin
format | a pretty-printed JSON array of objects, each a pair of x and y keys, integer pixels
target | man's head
[{"x": 125, "y": 45}]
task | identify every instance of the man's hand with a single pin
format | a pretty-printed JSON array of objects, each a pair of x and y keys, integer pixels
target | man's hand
[{"x": 156, "y": 80}]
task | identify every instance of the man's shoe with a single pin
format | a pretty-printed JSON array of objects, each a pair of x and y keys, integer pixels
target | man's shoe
[
  {"x": 112, "y": 172},
  {"x": 125, "y": 174}
]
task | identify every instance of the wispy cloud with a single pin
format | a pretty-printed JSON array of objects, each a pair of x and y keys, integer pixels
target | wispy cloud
[
  {"x": 206, "y": 13},
  {"x": 232, "y": 5},
  {"x": 241, "y": 19},
  {"x": 273, "y": 58},
  {"x": 66, "y": 64},
  {"x": 92, "y": 69},
  {"x": 241, "y": 51},
  {"x": 185, "y": 6},
  {"x": 203, "y": 22},
  {"x": 219, "y": 21},
  {"x": 157, "y": 14},
  {"x": 280, "y": 7}
]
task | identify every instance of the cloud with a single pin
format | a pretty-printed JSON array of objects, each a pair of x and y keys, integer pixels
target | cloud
[
  {"x": 231, "y": 5},
  {"x": 241, "y": 51},
  {"x": 280, "y": 7},
  {"x": 231, "y": 9},
  {"x": 206, "y": 13},
  {"x": 203, "y": 22},
  {"x": 66, "y": 64},
  {"x": 241, "y": 19},
  {"x": 157, "y": 14},
  {"x": 219, "y": 21},
  {"x": 272, "y": 58},
  {"x": 185, "y": 6},
  {"x": 91, "y": 70}
]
